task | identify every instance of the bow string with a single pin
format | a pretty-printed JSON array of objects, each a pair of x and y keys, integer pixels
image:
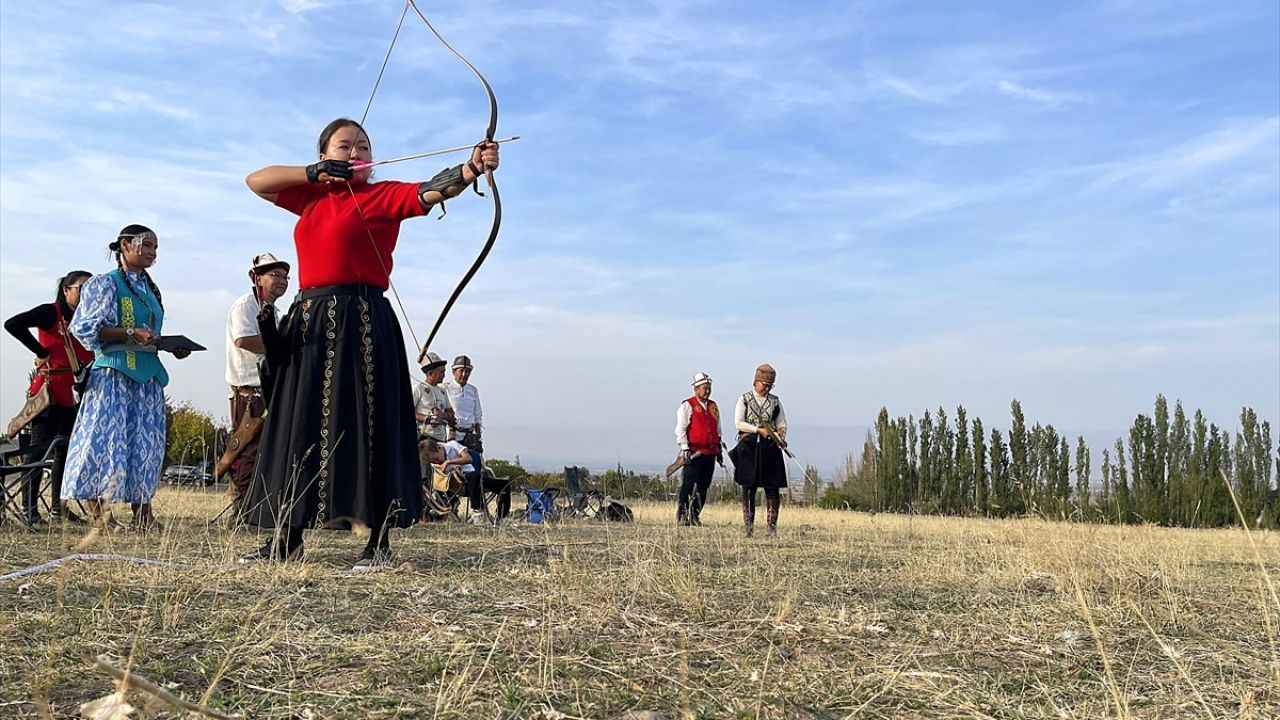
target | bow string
[{"x": 490, "y": 131}]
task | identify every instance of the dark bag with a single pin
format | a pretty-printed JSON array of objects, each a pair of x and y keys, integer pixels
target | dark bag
[{"x": 614, "y": 511}]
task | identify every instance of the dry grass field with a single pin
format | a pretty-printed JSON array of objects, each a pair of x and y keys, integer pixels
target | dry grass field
[{"x": 842, "y": 615}]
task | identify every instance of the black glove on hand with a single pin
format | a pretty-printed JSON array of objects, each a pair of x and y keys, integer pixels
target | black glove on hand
[{"x": 338, "y": 169}]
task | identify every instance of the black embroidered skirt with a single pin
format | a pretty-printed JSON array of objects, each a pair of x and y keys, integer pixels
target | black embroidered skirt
[
  {"x": 758, "y": 462},
  {"x": 339, "y": 443}
]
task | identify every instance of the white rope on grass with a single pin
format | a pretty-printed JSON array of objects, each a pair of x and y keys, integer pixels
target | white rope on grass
[{"x": 100, "y": 557}]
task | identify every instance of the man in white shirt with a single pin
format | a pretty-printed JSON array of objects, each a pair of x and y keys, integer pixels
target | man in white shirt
[
  {"x": 698, "y": 437},
  {"x": 270, "y": 278},
  {"x": 465, "y": 400}
]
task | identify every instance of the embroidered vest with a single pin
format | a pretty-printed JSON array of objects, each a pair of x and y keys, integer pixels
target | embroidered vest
[
  {"x": 135, "y": 310},
  {"x": 760, "y": 414},
  {"x": 704, "y": 427}
]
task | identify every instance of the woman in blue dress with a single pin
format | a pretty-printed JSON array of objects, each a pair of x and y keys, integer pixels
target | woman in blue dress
[{"x": 118, "y": 443}]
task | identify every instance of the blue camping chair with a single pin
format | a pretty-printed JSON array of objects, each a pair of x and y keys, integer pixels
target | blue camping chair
[{"x": 541, "y": 505}]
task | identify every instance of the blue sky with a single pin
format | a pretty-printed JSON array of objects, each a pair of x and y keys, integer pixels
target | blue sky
[{"x": 896, "y": 204}]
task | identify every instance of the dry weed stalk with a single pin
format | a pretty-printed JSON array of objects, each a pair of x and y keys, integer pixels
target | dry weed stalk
[{"x": 132, "y": 680}]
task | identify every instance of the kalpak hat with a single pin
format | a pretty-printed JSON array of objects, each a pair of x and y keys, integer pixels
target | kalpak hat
[
  {"x": 462, "y": 361},
  {"x": 266, "y": 261},
  {"x": 766, "y": 373},
  {"x": 431, "y": 362},
  {"x": 701, "y": 379}
]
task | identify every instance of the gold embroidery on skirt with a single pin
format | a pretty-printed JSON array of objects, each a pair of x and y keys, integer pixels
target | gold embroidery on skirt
[
  {"x": 326, "y": 397},
  {"x": 366, "y": 345}
]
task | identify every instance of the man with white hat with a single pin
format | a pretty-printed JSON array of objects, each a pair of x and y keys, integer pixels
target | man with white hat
[
  {"x": 698, "y": 436},
  {"x": 465, "y": 401},
  {"x": 431, "y": 402},
  {"x": 270, "y": 279}
]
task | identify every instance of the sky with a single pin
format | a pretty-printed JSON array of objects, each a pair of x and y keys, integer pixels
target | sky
[{"x": 907, "y": 205}]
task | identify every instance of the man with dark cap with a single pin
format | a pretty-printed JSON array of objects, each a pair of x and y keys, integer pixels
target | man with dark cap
[
  {"x": 431, "y": 402},
  {"x": 698, "y": 436},
  {"x": 465, "y": 401},
  {"x": 270, "y": 279},
  {"x": 757, "y": 458}
]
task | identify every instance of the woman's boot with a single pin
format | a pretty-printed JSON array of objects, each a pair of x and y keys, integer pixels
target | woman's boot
[
  {"x": 143, "y": 519},
  {"x": 100, "y": 518},
  {"x": 771, "y": 503}
]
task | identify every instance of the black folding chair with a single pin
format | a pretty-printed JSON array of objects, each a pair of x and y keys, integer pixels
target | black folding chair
[
  {"x": 14, "y": 475},
  {"x": 576, "y": 502},
  {"x": 493, "y": 486}
]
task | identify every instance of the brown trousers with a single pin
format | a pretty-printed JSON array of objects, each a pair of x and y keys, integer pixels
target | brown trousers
[{"x": 243, "y": 402}]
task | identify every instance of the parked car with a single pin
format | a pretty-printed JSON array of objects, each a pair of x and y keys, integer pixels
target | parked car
[{"x": 186, "y": 475}]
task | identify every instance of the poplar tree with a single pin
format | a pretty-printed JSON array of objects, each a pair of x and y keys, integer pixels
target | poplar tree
[
  {"x": 981, "y": 489},
  {"x": 1083, "y": 468},
  {"x": 1000, "y": 501},
  {"x": 1019, "y": 462},
  {"x": 1124, "y": 499},
  {"x": 1106, "y": 501},
  {"x": 1063, "y": 477},
  {"x": 925, "y": 481},
  {"x": 962, "y": 489}
]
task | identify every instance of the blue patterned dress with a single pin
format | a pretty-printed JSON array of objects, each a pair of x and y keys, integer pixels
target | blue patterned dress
[{"x": 117, "y": 447}]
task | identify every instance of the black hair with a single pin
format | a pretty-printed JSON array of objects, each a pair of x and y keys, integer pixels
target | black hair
[
  {"x": 327, "y": 134},
  {"x": 126, "y": 234},
  {"x": 65, "y": 281}
]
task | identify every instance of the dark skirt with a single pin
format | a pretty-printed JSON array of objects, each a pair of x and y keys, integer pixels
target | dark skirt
[
  {"x": 757, "y": 462},
  {"x": 339, "y": 443}
]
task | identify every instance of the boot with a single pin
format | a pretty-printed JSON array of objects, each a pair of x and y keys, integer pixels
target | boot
[
  {"x": 65, "y": 514},
  {"x": 100, "y": 517},
  {"x": 771, "y": 504},
  {"x": 143, "y": 519},
  {"x": 748, "y": 516}
]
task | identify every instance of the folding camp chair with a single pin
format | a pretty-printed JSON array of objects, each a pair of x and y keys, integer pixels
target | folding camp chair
[
  {"x": 15, "y": 473},
  {"x": 442, "y": 495},
  {"x": 576, "y": 502},
  {"x": 541, "y": 504},
  {"x": 492, "y": 486}
]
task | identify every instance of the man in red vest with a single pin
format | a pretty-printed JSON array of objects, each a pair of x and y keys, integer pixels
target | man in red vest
[{"x": 698, "y": 435}]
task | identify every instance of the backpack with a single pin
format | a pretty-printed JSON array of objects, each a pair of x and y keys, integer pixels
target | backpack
[{"x": 614, "y": 511}]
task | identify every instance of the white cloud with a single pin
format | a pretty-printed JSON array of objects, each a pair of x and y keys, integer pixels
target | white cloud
[{"x": 1051, "y": 98}]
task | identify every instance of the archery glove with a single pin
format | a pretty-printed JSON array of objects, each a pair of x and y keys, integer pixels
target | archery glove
[{"x": 337, "y": 169}]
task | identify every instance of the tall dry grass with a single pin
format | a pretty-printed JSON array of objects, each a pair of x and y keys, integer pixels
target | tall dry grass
[{"x": 842, "y": 615}]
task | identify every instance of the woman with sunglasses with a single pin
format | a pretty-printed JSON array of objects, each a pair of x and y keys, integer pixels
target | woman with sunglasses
[{"x": 59, "y": 356}]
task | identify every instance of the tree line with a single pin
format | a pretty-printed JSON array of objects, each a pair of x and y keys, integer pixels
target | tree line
[{"x": 1173, "y": 470}]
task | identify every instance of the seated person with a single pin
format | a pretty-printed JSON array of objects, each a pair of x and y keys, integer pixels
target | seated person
[{"x": 453, "y": 454}]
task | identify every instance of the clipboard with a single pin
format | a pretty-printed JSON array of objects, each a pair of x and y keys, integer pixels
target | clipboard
[{"x": 171, "y": 343}]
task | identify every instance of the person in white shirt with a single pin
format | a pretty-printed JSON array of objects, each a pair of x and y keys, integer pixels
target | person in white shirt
[
  {"x": 757, "y": 458},
  {"x": 698, "y": 437},
  {"x": 270, "y": 279},
  {"x": 465, "y": 400}
]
